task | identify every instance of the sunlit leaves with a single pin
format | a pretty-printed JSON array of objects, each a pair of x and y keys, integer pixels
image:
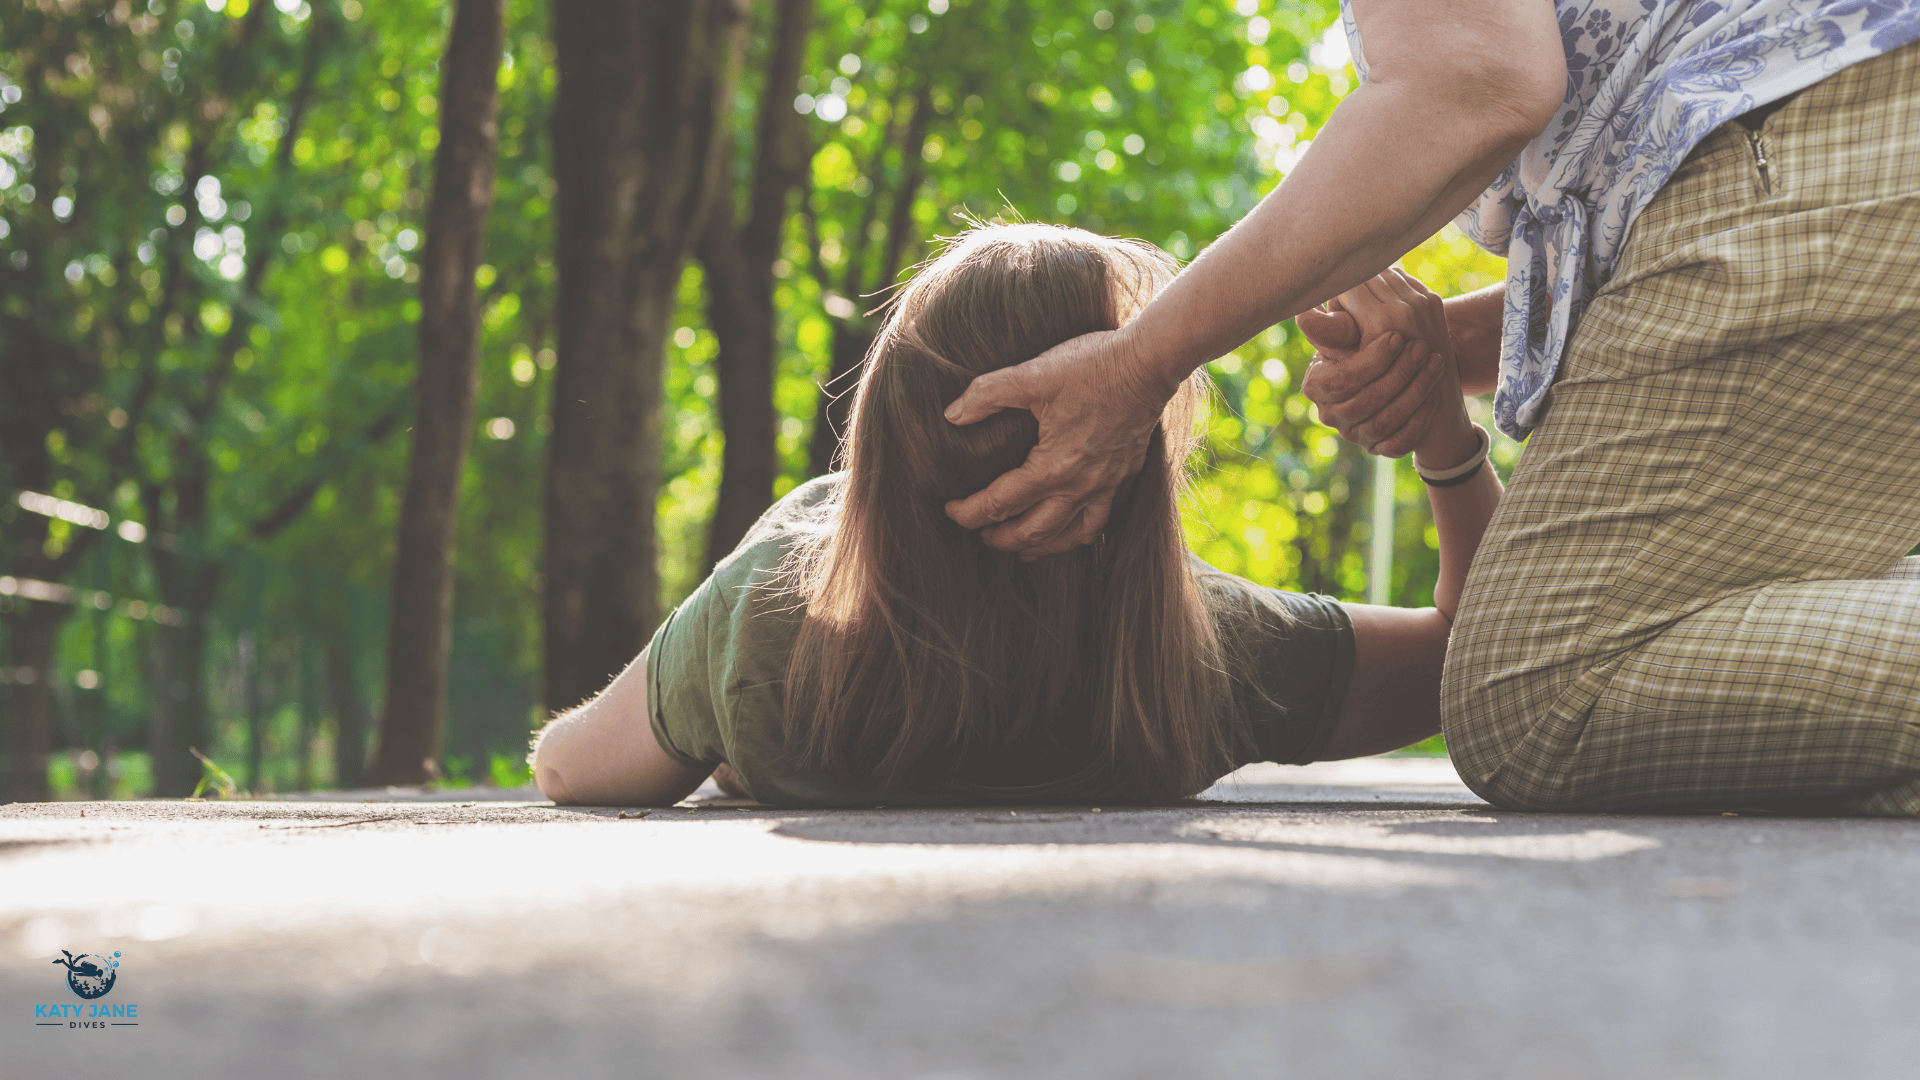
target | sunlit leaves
[
  {"x": 1073, "y": 112},
  {"x": 1162, "y": 120}
]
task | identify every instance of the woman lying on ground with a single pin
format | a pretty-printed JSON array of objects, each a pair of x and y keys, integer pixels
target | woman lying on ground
[{"x": 860, "y": 648}]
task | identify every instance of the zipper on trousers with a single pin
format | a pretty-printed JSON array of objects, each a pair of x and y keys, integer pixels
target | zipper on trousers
[{"x": 1760, "y": 161}]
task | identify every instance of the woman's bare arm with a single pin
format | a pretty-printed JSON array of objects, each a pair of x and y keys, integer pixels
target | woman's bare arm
[
  {"x": 604, "y": 752},
  {"x": 1393, "y": 699},
  {"x": 1474, "y": 320},
  {"x": 1426, "y": 414},
  {"x": 1394, "y": 696}
]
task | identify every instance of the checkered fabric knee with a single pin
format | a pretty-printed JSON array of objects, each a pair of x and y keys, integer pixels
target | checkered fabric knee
[{"x": 1693, "y": 593}]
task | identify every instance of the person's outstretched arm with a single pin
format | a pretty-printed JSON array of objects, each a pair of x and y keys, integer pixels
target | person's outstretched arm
[
  {"x": 1394, "y": 696},
  {"x": 1393, "y": 404},
  {"x": 1455, "y": 89},
  {"x": 604, "y": 753}
]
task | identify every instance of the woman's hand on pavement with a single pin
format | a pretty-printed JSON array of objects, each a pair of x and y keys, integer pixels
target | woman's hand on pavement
[{"x": 1097, "y": 405}]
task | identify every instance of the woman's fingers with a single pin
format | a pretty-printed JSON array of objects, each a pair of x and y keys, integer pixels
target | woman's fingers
[
  {"x": 1097, "y": 406},
  {"x": 1325, "y": 329},
  {"x": 1360, "y": 303},
  {"x": 1332, "y": 380},
  {"x": 1038, "y": 517},
  {"x": 1424, "y": 307},
  {"x": 1358, "y": 385},
  {"x": 1381, "y": 288},
  {"x": 1399, "y": 425},
  {"x": 1020, "y": 518},
  {"x": 1387, "y": 412},
  {"x": 985, "y": 395},
  {"x": 1010, "y": 495},
  {"x": 1396, "y": 300},
  {"x": 1420, "y": 288},
  {"x": 1385, "y": 394},
  {"x": 1042, "y": 503},
  {"x": 1056, "y": 527},
  {"x": 1405, "y": 287}
]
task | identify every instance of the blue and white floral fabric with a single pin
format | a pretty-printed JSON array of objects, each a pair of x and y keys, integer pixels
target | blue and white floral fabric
[{"x": 1646, "y": 81}]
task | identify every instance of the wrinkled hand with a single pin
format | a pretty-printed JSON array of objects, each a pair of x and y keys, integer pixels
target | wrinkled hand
[
  {"x": 1097, "y": 407},
  {"x": 1384, "y": 376}
]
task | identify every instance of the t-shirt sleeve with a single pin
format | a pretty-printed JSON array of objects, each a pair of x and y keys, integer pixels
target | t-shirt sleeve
[
  {"x": 680, "y": 691},
  {"x": 1289, "y": 658},
  {"x": 710, "y": 664}
]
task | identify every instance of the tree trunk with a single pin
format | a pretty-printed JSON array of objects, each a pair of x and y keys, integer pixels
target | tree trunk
[
  {"x": 171, "y": 745},
  {"x": 740, "y": 311},
  {"x": 28, "y": 696},
  {"x": 643, "y": 85},
  {"x": 103, "y": 773},
  {"x": 251, "y": 706},
  {"x": 350, "y": 717},
  {"x": 309, "y": 717},
  {"x": 740, "y": 281},
  {"x": 190, "y": 584},
  {"x": 41, "y": 376},
  {"x": 160, "y": 706},
  {"x": 422, "y": 596}
]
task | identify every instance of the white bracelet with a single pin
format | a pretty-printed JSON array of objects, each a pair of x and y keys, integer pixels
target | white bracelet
[{"x": 1460, "y": 473}]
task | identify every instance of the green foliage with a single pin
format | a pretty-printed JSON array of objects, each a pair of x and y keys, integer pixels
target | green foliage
[
  {"x": 506, "y": 771},
  {"x": 229, "y": 273},
  {"x": 228, "y": 281},
  {"x": 215, "y": 780},
  {"x": 1161, "y": 121},
  {"x": 1433, "y": 746}
]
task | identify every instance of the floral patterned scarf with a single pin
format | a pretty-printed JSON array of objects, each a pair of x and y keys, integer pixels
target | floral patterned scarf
[{"x": 1646, "y": 81}]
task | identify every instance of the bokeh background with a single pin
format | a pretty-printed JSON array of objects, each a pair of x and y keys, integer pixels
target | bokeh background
[{"x": 211, "y": 221}]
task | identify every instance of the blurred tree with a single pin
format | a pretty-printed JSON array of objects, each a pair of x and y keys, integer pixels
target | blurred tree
[
  {"x": 171, "y": 303},
  {"x": 1117, "y": 117},
  {"x": 50, "y": 375},
  {"x": 637, "y": 149},
  {"x": 210, "y": 217},
  {"x": 351, "y": 717},
  {"x": 1156, "y": 120},
  {"x": 420, "y": 625},
  {"x": 206, "y": 322},
  {"x": 46, "y": 378},
  {"x": 739, "y": 263},
  {"x": 92, "y": 125}
]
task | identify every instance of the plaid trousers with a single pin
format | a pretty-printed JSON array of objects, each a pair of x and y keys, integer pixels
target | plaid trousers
[{"x": 1694, "y": 592}]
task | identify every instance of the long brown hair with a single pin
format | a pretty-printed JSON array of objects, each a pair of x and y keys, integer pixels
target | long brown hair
[{"x": 922, "y": 647}]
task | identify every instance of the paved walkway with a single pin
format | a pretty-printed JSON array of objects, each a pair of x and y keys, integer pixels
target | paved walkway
[{"x": 1363, "y": 919}]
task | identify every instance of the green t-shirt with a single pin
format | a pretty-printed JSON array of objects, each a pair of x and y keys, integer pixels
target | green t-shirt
[{"x": 717, "y": 668}]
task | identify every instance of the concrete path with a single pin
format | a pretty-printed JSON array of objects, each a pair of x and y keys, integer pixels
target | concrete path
[{"x": 1363, "y": 919}]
